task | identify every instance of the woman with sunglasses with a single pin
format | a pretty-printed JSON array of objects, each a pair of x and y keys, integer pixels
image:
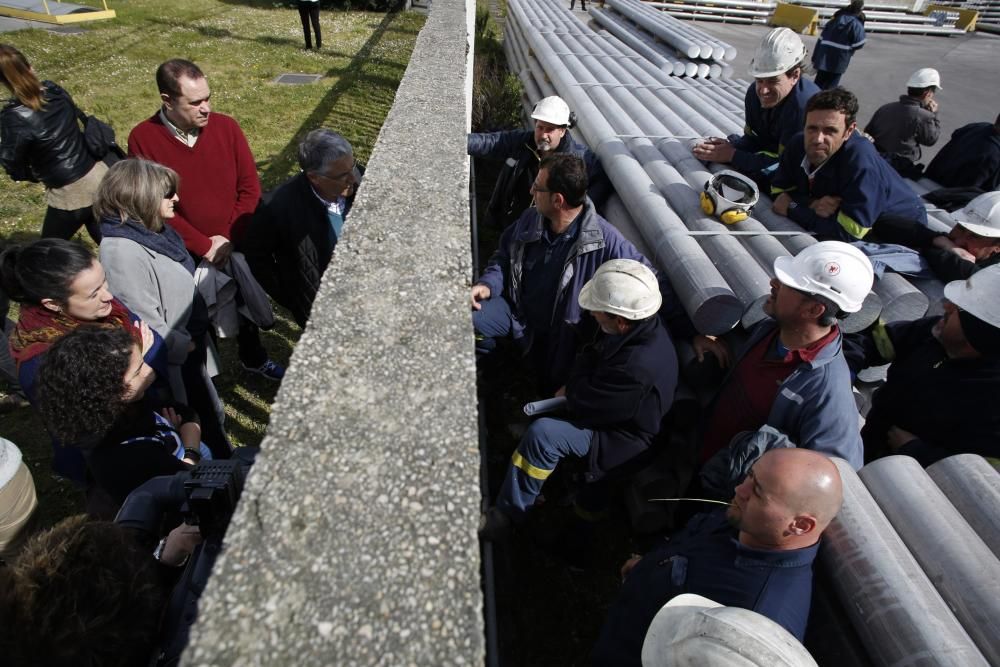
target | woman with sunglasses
[{"x": 150, "y": 270}]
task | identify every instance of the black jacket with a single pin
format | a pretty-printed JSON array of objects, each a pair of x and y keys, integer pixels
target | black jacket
[
  {"x": 621, "y": 387},
  {"x": 951, "y": 405},
  {"x": 44, "y": 145},
  {"x": 289, "y": 245},
  {"x": 970, "y": 159}
]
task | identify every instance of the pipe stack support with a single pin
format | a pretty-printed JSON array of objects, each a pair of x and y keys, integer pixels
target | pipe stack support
[
  {"x": 955, "y": 559},
  {"x": 899, "y": 615}
]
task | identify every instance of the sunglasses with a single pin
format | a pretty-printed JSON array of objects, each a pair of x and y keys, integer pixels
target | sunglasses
[{"x": 170, "y": 193}]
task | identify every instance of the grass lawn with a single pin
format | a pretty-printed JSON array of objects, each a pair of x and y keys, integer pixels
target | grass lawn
[{"x": 242, "y": 47}]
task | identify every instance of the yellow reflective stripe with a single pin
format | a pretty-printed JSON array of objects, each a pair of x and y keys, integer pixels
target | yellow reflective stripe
[
  {"x": 995, "y": 462},
  {"x": 882, "y": 341},
  {"x": 587, "y": 515},
  {"x": 781, "y": 149},
  {"x": 532, "y": 471},
  {"x": 851, "y": 226},
  {"x": 767, "y": 153},
  {"x": 777, "y": 191}
]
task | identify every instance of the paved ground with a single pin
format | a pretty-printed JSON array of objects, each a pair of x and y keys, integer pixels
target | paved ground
[{"x": 878, "y": 72}]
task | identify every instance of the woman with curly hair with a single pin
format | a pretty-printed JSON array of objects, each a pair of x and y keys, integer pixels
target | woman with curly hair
[
  {"x": 151, "y": 271},
  {"x": 41, "y": 140},
  {"x": 92, "y": 392},
  {"x": 60, "y": 286}
]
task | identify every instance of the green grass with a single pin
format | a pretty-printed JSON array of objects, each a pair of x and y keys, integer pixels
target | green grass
[{"x": 242, "y": 47}]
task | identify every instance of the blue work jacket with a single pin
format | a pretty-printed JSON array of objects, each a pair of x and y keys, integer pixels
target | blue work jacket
[
  {"x": 841, "y": 37},
  {"x": 768, "y": 131},
  {"x": 868, "y": 186}
]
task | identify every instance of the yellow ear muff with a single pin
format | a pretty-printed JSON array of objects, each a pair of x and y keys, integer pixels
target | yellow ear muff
[
  {"x": 707, "y": 205},
  {"x": 734, "y": 215}
]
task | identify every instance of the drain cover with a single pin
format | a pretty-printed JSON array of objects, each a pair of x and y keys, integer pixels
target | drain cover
[{"x": 298, "y": 79}]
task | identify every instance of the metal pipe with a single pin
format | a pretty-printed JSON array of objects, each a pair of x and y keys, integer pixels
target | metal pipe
[
  {"x": 901, "y": 618},
  {"x": 958, "y": 563},
  {"x": 706, "y": 297},
  {"x": 972, "y": 485},
  {"x": 901, "y": 301},
  {"x": 683, "y": 45}
]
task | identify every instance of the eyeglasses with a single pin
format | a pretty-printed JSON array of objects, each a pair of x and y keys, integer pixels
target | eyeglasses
[
  {"x": 171, "y": 193},
  {"x": 535, "y": 188},
  {"x": 342, "y": 176}
]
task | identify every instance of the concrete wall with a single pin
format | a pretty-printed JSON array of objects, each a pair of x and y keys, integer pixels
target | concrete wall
[{"x": 355, "y": 540}]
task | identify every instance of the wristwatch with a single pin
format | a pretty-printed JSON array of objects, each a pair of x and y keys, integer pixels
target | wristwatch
[{"x": 158, "y": 555}]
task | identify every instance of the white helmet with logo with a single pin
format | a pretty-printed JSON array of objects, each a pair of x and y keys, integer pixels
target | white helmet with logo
[
  {"x": 981, "y": 215},
  {"x": 622, "y": 287},
  {"x": 691, "y": 631},
  {"x": 729, "y": 196},
  {"x": 833, "y": 270},
  {"x": 779, "y": 51},
  {"x": 552, "y": 110},
  {"x": 925, "y": 78}
]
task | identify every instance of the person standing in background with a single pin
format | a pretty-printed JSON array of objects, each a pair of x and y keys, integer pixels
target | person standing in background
[
  {"x": 309, "y": 11},
  {"x": 842, "y": 35}
]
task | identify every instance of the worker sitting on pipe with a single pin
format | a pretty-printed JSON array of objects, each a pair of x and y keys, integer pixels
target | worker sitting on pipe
[
  {"x": 942, "y": 390},
  {"x": 522, "y": 150},
  {"x": 774, "y": 106},
  {"x": 620, "y": 387},
  {"x": 791, "y": 374},
  {"x": 833, "y": 182},
  {"x": 530, "y": 287},
  {"x": 757, "y": 554}
]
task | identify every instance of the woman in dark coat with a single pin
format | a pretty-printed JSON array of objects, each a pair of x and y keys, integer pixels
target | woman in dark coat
[{"x": 41, "y": 141}]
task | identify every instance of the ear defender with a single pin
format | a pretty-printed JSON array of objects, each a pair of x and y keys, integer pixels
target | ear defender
[{"x": 729, "y": 196}]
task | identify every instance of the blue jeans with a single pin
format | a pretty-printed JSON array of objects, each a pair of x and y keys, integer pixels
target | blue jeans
[{"x": 543, "y": 445}]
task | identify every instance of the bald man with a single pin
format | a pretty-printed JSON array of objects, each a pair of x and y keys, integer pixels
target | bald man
[{"x": 756, "y": 554}]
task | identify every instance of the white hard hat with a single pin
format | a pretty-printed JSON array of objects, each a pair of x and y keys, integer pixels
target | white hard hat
[
  {"x": 779, "y": 51},
  {"x": 831, "y": 269},
  {"x": 979, "y": 295},
  {"x": 981, "y": 215},
  {"x": 729, "y": 196},
  {"x": 622, "y": 287},
  {"x": 691, "y": 630},
  {"x": 925, "y": 78},
  {"x": 552, "y": 110}
]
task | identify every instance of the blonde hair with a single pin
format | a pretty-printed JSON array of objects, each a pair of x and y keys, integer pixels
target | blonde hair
[
  {"x": 134, "y": 189},
  {"x": 16, "y": 74}
]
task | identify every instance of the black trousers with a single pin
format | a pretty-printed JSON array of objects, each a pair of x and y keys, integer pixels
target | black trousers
[
  {"x": 199, "y": 399},
  {"x": 309, "y": 11},
  {"x": 64, "y": 224}
]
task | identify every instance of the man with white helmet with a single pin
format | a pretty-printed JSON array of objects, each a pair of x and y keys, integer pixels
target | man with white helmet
[
  {"x": 791, "y": 374},
  {"x": 618, "y": 391},
  {"x": 774, "y": 108},
  {"x": 832, "y": 181},
  {"x": 942, "y": 390},
  {"x": 523, "y": 150},
  {"x": 757, "y": 554},
  {"x": 972, "y": 244},
  {"x": 901, "y": 128}
]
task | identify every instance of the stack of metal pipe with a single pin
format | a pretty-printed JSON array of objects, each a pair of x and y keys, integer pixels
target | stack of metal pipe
[{"x": 641, "y": 122}]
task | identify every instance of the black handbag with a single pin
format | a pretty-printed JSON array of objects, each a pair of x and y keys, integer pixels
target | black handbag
[{"x": 99, "y": 137}]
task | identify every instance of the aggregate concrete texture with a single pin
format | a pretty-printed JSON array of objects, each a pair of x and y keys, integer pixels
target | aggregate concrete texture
[
  {"x": 355, "y": 540},
  {"x": 877, "y": 74}
]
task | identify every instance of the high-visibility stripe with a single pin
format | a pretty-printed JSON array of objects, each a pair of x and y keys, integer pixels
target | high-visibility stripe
[
  {"x": 777, "y": 191},
  {"x": 835, "y": 45},
  {"x": 882, "y": 341},
  {"x": 842, "y": 47},
  {"x": 768, "y": 154},
  {"x": 851, "y": 226},
  {"x": 532, "y": 471}
]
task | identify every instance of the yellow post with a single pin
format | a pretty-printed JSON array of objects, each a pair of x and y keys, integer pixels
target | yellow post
[
  {"x": 803, "y": 20},
  {"x": 966, "y": 17}
]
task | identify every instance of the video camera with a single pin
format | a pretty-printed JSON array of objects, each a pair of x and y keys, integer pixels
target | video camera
[{"x": 206, "y": 497}]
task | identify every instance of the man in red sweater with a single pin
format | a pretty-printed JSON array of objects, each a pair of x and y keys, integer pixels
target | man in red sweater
[{"x": 219, "y": 188}]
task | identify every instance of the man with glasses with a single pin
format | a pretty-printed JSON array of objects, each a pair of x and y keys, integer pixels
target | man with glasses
[
  {"x": 219, "y": 188},
  {"x": 530, "y": 289},
  {"x": 291, "y": 239}
]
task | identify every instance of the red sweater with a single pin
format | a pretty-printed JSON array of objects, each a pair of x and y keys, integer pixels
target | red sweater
[{"x": 219, "y": 188}]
